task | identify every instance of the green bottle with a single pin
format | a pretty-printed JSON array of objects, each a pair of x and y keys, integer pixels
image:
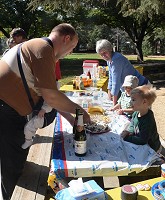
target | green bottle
[
  {"x": 80, "y": 139},
  {"x": 75, "y": 123}
]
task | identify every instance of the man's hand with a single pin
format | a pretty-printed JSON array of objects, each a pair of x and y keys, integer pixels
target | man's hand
[{"x": 87, "y": 118}]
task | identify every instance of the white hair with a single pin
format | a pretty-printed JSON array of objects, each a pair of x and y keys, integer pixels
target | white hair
[{"x": 103, "y": 45}]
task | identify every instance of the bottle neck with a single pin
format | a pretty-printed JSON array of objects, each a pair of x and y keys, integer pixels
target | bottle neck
[
  {"x": 80, "y": 120},
  {"x": 77, "y": 113}
]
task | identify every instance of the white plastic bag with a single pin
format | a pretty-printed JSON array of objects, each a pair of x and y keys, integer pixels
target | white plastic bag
[{"x": 119, "y": 123}]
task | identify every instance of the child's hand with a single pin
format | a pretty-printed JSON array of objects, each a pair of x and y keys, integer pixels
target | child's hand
[
  {"x": 119, "y": 111},
  {"x": 124, "y": 134},
  {"x": 111, "y": 109},
  {"x": 41, "y": 113}
]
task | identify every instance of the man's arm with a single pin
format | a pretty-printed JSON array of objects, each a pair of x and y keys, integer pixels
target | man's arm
[{"x": 62, "y": 103}]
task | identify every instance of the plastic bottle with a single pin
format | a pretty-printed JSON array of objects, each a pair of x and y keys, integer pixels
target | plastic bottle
[
  {"x": 94, "y": 82},
  {"x": 81, "y": 86},
  {"x": 100, "y": 72},
  {"x": 85, "y": 104},
  {"x": 104, "y": 71},
  {"x": 95, "y": 95}
]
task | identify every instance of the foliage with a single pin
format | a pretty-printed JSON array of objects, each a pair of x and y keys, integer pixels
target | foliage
[
  {"x": 93, "y": 19},
  {"x": 18, "y": 14},
  {"x": 137, "y": 18},
  {"x": 147, "y": 49},
  {"x": 72, "y": 65}
]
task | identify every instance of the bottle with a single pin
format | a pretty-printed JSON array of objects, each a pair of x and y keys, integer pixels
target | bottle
[
  {"x": 94, "y": 70},
  {"x": 101, "y": 93},
  {"x": 75, "y": 123},
  {"x": 100, "y": 72},
  {"x": 85, "y": 104},
  {"x": 89, "y": 74},
  {"x": 94, "y": 82},
  {"x": 95, "y": 95},
  {"x": 77, "y": 82},
  {"x": 104, "y": 71},
  {"x": 74, "y": 84},
  {"x": 80, "y": 139},
  {"x": 81, "y": 86}
]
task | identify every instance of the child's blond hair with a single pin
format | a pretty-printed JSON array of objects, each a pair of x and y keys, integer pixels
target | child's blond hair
[{"x": 146, "y": 92}]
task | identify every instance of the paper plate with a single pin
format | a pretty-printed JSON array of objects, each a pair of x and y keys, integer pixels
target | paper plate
[
  {"x": 100, "y": 132},
  {"x": 154, "y": 187}
]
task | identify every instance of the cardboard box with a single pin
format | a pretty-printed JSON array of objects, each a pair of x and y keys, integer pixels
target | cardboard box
[{"x": 92, "y": 191}]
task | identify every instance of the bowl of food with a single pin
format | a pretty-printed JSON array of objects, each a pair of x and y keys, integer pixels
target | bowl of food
[{"x": 87, "y": 82}]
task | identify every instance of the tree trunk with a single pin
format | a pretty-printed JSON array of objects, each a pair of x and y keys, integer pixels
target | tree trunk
[{"x": 139, "y": 51}]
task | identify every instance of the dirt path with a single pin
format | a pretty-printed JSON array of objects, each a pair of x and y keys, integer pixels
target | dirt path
[{"x": 159, "y": 109}]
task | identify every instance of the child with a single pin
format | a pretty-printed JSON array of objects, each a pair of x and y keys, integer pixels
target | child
[
  {"x": 143, "y": 129},
  {"x": 35, "y": 123},
  {"x": 124, "y": 106}
]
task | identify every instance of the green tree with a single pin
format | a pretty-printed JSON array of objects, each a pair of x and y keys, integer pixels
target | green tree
[
  {"x": 35, "y": 22},
  {"x": 137, "y": 18},
  {"x": 141, "y": 18}
]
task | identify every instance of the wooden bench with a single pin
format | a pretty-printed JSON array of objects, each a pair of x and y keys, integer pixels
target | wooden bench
[{"x": 32, "y": 185}]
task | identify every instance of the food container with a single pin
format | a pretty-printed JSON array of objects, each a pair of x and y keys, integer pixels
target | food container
[
  {"x": 89, "y": 65},
  {"x": 87, "y": 82}
]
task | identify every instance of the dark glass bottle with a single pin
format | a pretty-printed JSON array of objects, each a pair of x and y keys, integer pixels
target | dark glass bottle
[
  {"x": 80, "y": 138},
  {"x": 89, "y": 74},
  {"x": 75, "y": 123}
]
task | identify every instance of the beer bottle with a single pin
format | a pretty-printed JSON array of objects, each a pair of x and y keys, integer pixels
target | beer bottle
[
  {"x": 89, "y": 74},
  {"x": 80, "y": 138},
  {"x": 75, "y": 123}
]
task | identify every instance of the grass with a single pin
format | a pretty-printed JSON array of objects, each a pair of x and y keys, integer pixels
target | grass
[{"x": 72, "y": 64}]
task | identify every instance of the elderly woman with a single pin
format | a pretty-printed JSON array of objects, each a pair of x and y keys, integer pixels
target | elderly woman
[{"x": 119, "y": 68}]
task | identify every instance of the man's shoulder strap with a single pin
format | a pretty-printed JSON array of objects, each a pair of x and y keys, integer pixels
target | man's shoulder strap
[{"x": 48, "y": 40}]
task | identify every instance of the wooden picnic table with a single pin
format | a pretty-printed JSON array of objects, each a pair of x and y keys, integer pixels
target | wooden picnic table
[{"x": 101, "y": 83}]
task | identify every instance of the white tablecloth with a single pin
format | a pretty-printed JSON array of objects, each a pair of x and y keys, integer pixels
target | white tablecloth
[{"x": 107, "y": 155}]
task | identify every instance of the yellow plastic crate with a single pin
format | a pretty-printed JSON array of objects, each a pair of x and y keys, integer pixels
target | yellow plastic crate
[{"x": 139, "y": 68}]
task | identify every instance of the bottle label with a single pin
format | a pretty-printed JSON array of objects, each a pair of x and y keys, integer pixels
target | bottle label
[
  {"x": 80, "y": 128},
  {"x": 80, "y": 147}
]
